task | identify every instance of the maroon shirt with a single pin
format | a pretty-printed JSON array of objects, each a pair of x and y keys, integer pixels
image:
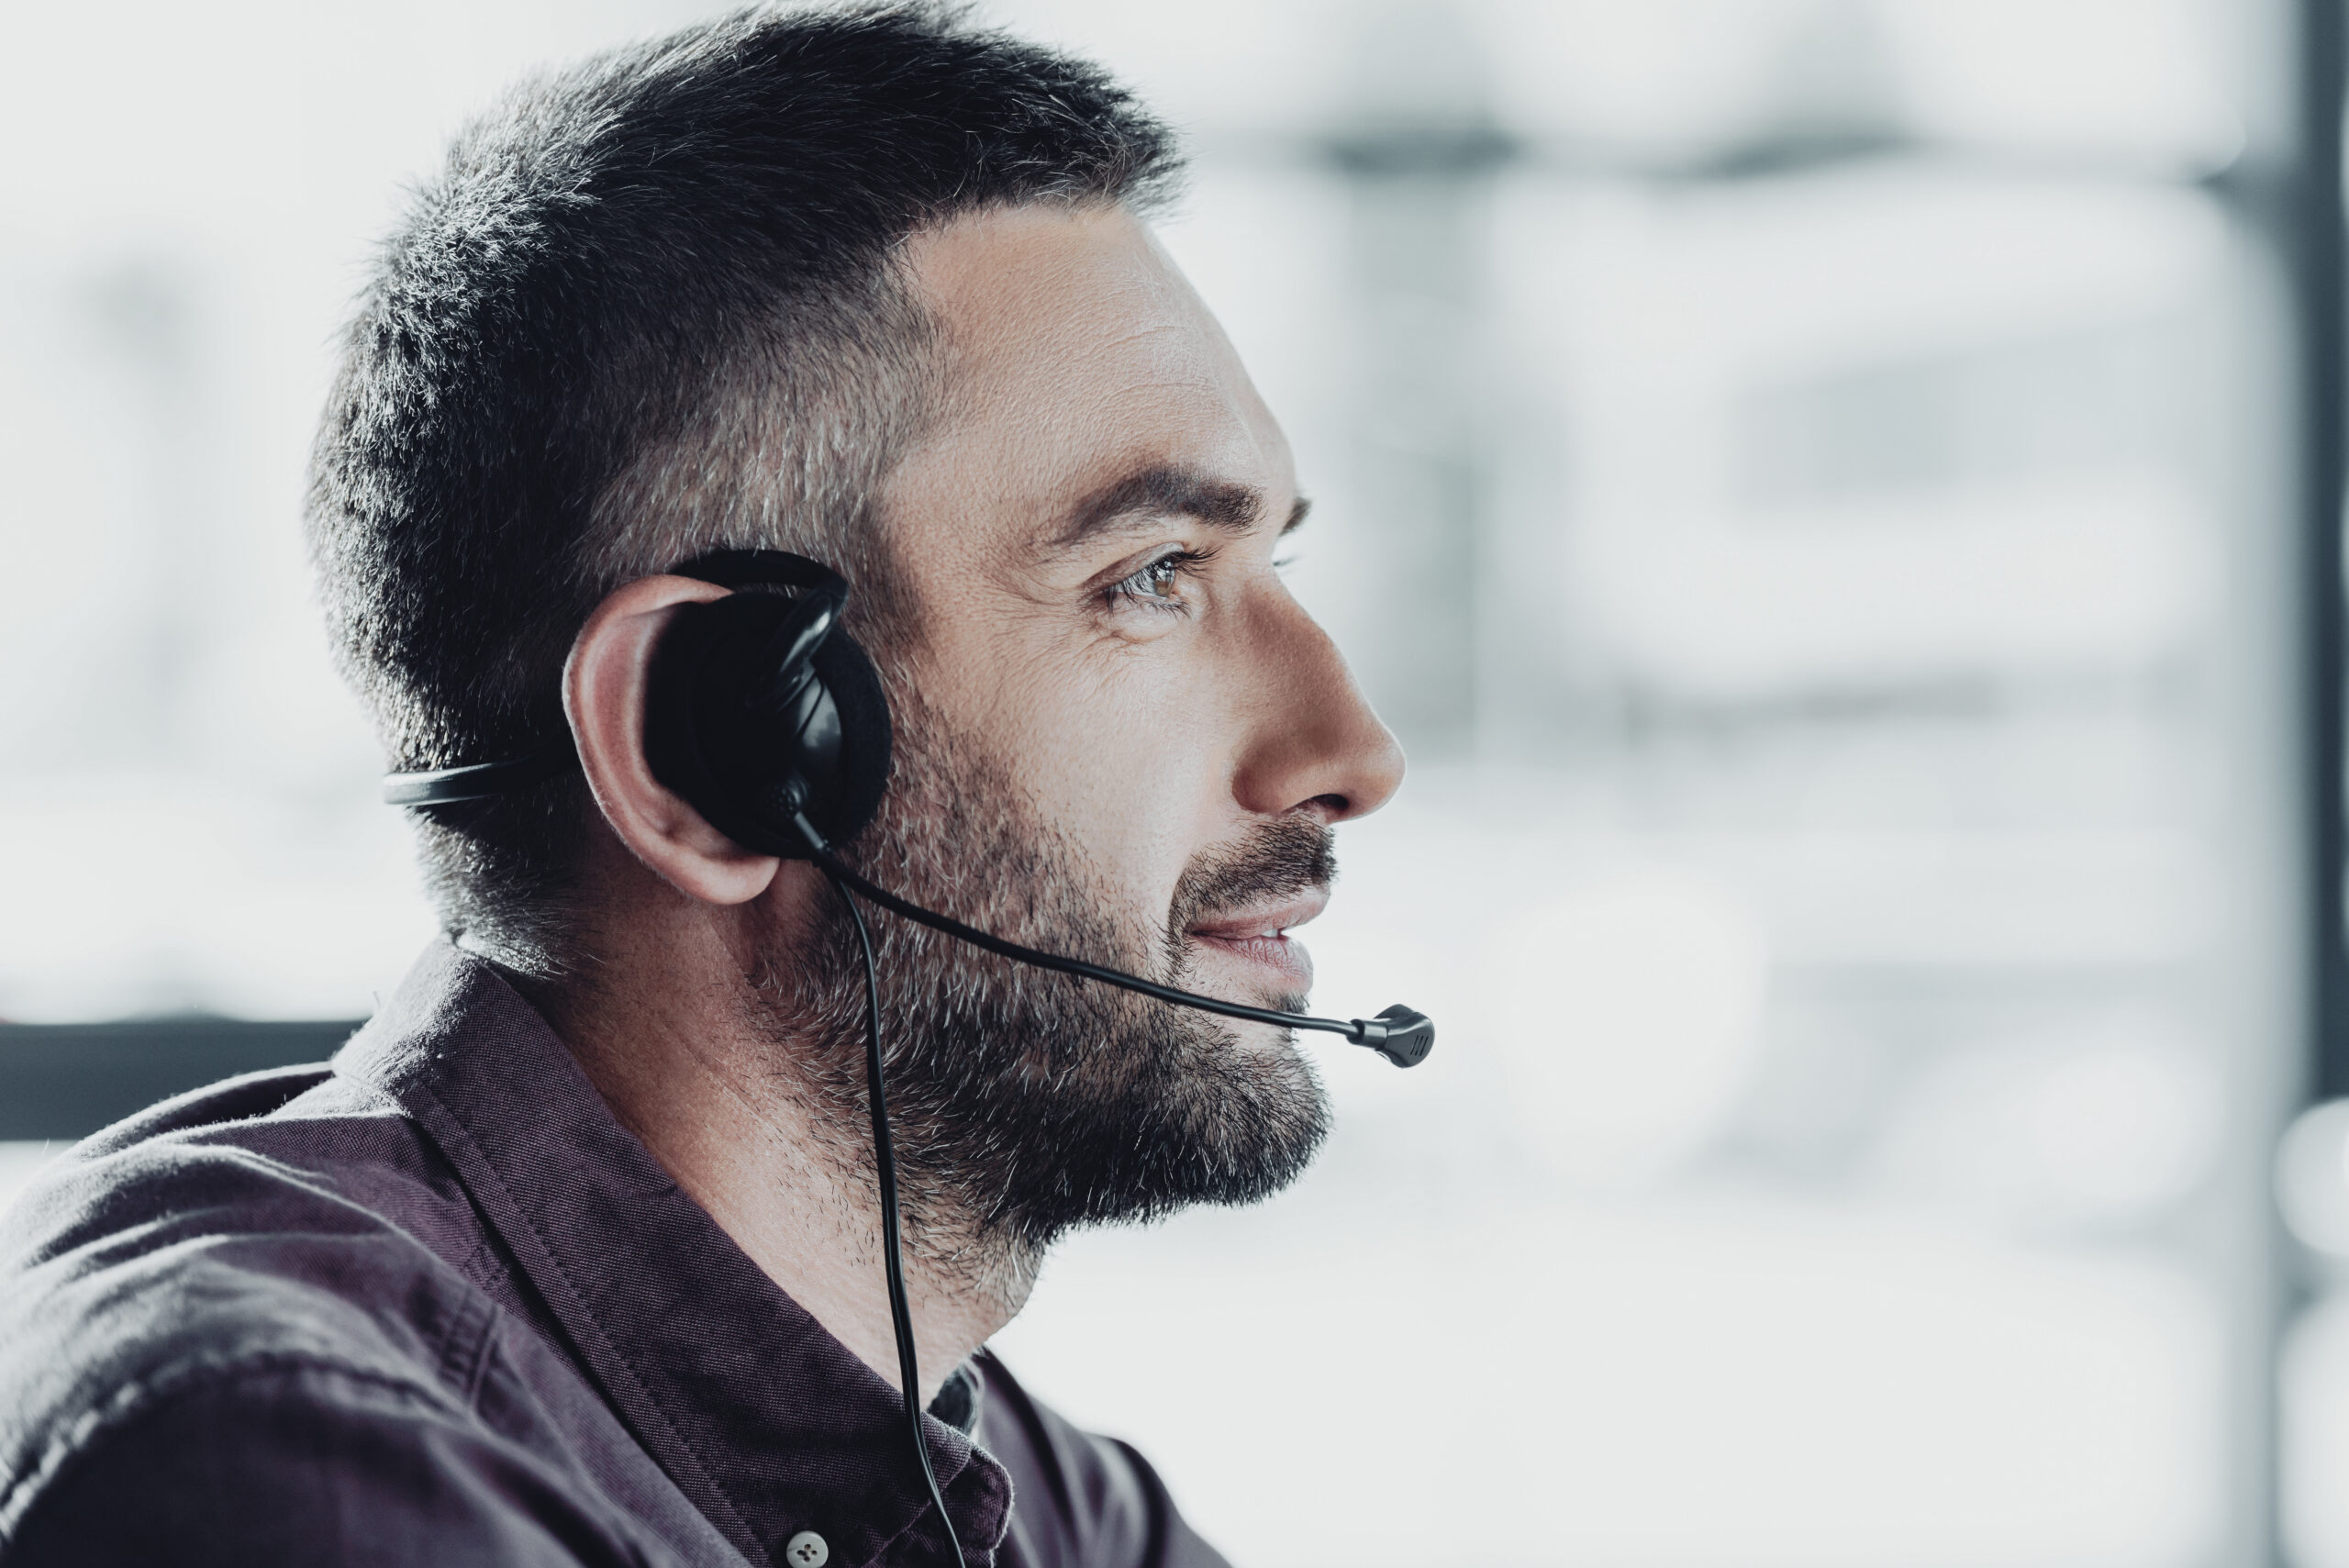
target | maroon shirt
[{"x": 431, "y": 1304}]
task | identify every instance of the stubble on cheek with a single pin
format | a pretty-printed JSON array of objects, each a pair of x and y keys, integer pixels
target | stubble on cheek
[{"x": 1025, "y": 1102}]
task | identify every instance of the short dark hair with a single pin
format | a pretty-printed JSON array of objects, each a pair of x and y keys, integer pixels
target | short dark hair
[{"x": 650, "y": 307}]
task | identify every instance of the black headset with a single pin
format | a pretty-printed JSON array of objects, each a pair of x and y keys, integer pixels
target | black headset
[
  {"x": 763, "y": 709},
  {"x": 765, "y": 715}
]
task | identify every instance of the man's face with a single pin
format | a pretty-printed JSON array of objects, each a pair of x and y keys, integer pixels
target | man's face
[
  {"x": 1119, "y": 734},
  {"x": 1091, "y": 535}
]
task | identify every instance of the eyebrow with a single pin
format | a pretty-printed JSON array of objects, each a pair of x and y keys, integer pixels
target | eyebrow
[{"x": 1160, "y": 492}]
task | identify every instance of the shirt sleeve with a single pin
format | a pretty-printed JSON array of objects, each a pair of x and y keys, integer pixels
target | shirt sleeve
[{"x": 307, "y": 1466}]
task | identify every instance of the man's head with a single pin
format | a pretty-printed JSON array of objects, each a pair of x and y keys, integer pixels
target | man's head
[
  {"x": 999, "y": 409},
  {"x": 654, "y": 304}
]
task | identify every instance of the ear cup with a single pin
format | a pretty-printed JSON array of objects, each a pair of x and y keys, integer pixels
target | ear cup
[
  {"x": 850, "y": 799},
  {"x": 746, "y": 749}
]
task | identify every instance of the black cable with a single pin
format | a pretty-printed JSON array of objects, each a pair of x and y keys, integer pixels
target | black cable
[{"x": 885, "y": 1163}]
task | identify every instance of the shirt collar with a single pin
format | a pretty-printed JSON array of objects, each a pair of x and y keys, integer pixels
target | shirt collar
[{"x": 768, "y": 1424}]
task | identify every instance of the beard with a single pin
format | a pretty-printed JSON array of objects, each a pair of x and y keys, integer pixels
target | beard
[{"x": 1024, "y": 1103}]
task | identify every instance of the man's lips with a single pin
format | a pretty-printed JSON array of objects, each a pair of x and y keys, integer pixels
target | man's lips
[{"x": 1257, "y": 935}]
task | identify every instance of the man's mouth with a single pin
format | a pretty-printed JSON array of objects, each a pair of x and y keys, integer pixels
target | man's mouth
[{"x": 1256, "y": 938}]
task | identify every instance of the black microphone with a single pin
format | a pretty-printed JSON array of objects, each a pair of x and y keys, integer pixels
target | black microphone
[{"x": 1399, "y": 1034}]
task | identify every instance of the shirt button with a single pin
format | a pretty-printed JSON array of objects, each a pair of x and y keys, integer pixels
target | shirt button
[{"x": 806, "y": 1550}]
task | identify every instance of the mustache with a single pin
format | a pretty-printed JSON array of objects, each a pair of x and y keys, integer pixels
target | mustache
[{"x": 1274, "y": 860}]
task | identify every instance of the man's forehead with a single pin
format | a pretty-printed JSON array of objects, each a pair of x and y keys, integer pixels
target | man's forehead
[
  {"x": 1093, "y": 391},
  {"x": 1002, "y": 278}
]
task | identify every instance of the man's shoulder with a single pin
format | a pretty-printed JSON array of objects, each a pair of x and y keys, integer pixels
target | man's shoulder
[
  {"x": 289, "y": 1230},
  {"x": 275, "y": 1464}
]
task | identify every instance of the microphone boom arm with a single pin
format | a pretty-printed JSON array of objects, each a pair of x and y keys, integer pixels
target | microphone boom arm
[{"x": 1397, "y": 1033}]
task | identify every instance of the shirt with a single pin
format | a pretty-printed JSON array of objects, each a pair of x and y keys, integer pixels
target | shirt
[{"x": 431, "y": 1303}]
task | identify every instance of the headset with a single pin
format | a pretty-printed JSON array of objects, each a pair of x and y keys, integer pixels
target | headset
[{"x": 765, "y": 715}]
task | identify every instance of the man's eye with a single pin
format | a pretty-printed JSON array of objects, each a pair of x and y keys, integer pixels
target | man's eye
[{"x": 1157, "y": 585}]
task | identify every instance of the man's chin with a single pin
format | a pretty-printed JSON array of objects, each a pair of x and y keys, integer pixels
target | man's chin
[{"x": 1241, "y": 1121}]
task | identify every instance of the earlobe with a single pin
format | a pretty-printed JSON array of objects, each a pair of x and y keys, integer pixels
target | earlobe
[{"x": 603, "y": 685}]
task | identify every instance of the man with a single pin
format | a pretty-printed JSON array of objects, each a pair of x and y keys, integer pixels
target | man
[{"x": 573, "y": 1254}]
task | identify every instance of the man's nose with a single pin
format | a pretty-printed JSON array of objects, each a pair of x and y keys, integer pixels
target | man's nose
[{"x": 1313, "y": 742}]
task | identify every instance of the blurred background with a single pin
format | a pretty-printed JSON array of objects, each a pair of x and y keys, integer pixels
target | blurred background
[{"x": 1863, "y": 476}]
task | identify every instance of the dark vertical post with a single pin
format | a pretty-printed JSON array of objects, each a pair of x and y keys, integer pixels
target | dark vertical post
[
  {"x": 2308, "y": 225},
  {"x": 2317, "y": 224}
]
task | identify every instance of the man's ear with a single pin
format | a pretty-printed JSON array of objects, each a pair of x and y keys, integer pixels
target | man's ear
[{"x": 603, "y": 685}]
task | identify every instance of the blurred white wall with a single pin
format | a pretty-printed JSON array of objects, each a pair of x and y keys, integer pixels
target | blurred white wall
[{"x": 1834, "y": 457}]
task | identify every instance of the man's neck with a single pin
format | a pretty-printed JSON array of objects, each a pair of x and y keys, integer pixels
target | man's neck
[{"x": 716, "y": 1102}]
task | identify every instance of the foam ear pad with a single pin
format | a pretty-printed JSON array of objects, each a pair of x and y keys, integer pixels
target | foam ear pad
[{"x": 742, "y": 763}]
